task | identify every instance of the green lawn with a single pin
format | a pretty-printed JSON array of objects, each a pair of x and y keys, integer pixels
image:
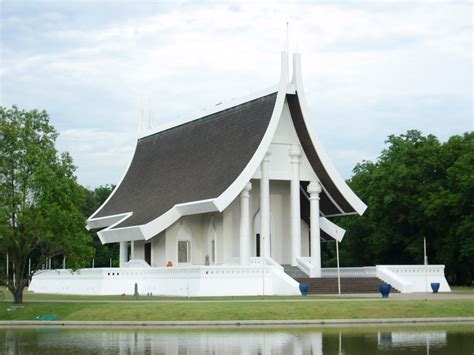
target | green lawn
[
  {"x": 30, "y": 296},
  {"x": 262, "y": 310}
]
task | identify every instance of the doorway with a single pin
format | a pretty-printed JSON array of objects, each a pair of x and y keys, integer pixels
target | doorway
[
  {"x": 257, "y": 245},
  {"x": 148, "y": 253}
]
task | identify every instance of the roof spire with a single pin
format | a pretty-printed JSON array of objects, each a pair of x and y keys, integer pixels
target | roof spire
[
  {"x": 141, "y": 122},
  {"x": 150, "y": 114}
]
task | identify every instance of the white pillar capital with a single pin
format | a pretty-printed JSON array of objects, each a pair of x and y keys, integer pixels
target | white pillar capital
[
  {"x": 314, "y": 189},
  {"x": 295, "y": 154},
  {"x": 246, "y": 191},
  {"x": 266, "y": 158}
]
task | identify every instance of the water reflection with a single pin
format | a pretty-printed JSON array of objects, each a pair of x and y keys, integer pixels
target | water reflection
[
  {"x": 236, "y": 341},
  {"x": 435, "y": 339}
]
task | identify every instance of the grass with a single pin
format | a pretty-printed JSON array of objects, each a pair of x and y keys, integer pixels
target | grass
[
  {"x": 73, "y": 307},
  {"x": 33, "y": 297},
  {"x": 262, "y": 310}
]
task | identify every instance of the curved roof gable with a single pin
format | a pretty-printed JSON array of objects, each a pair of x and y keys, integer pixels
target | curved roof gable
[
  {"x": 194, "y": 161},
  {"x": 337, "y": 197}
]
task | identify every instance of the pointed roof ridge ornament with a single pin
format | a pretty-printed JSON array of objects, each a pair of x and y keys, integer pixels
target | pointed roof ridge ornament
[{"x": 348, "y": 197}]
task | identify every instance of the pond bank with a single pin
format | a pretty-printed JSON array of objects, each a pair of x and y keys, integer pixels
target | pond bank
[{"x": 244, "y": 323}]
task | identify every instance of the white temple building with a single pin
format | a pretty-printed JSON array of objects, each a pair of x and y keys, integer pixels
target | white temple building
[{"x": 234, "y": 202}]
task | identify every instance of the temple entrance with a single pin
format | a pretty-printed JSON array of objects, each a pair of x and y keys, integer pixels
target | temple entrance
[
  {"x": 148, "y": 253},
  {"x": 257, "y": 243},
  {"x": 257, "y": 246}
]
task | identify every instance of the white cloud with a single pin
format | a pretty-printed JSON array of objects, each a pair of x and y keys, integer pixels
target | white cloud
[
  {"x": 367, "y": 66},
  {"x": 106, "y": 154}
]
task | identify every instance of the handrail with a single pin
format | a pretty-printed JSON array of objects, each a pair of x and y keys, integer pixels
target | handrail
[
  {"x": 351, "y": 272},
  {"x": 393, "y": 279},
  {"x": 272, "y": 262},
  {"x": 305, "y": 266}
]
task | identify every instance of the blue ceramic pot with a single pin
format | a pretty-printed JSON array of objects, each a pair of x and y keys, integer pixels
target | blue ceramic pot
[
  {"x": 304, "y": 288},
  {"x": 385, "y": 290},
  {"x": 435, "y": 287}
]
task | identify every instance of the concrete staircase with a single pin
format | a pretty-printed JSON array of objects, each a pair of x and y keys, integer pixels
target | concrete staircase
[
  {"x": 294, "y": 271},
  {"x": 328, "y": 285},
  {"x": 348, "y": 285}
]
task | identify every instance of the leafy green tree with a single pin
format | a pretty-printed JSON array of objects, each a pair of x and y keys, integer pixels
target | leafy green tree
[
  {"x": 40, "y": 210},
  {"x": 419, "y": 187},
  {"x": 108, "y": 252}
]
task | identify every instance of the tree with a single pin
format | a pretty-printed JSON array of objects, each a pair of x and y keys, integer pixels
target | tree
[
  {"x": 417, "y": 188},
  {"x": 41, "y": 201},
  {"x": 108, "y": 252}
]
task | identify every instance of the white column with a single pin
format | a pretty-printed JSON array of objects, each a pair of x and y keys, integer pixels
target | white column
[
  {"x": 138, "y": 250},
  {"x": 314, "y": 189},
  {"x": 295, "y": 215},
  {"x": 245, "y": 225},
  {"x": 265, "y": 206},
  {"x": 123, "y": 253}
]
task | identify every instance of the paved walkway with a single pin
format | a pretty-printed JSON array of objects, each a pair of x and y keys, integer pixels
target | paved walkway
[
  {"x": 319, "y": 298},
  {"x": 416, "y": 296}
]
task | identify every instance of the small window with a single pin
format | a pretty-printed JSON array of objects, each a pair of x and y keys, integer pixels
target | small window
[{"x": 183, "y": 251}]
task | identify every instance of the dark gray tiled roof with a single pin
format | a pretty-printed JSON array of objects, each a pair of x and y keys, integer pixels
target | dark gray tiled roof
[
  {"x": 326, "y": 205},
  {"x": 194, "y": 161}
]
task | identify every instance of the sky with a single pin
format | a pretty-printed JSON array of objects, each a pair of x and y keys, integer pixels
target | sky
[{"x": 370, "y": 68}]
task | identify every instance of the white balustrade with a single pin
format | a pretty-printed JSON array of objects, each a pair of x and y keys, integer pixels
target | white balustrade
[{"x": 354, "y": 272}]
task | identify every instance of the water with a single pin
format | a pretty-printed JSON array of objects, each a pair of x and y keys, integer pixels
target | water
[{"x": 453, "y": 339}]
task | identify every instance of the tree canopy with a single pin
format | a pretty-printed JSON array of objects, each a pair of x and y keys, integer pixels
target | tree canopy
[
  {"x": 41, "y": 213},
  {"x": 418, "y": 187},
  {"x": 104, "y": 253}
]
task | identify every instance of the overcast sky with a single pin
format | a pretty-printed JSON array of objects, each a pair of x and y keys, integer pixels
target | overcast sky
[{"x": 370, "y": 68}]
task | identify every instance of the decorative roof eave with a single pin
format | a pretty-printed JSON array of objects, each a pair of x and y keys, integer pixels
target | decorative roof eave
[
  {"x": 348, "y": 195},
  {"x": 152, "y": 228},
  {"x": 331, "y": 229}
]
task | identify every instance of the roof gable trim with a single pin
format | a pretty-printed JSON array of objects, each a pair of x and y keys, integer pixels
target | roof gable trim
[
  {"x": 238, "y": 185},
  {"x": 341, "y": 185}
]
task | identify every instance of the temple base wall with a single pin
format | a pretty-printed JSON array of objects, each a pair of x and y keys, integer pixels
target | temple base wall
[{"x": 191, "y": 281}]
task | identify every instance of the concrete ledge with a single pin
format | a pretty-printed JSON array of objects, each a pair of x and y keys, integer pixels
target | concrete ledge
[{"x": 245, "y": 323}]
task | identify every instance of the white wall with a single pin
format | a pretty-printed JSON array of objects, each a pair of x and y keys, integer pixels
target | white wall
[
  {"x": 198, "y": 225},
  {"x": 232, "y": 280},
  {"x": 231, "y": 227},
  {"x": 158, "y": 250},
  {"x": 285, "y": 137},
  {"x": 280, "y": 210},
  {"x": 171, "y": 244}
]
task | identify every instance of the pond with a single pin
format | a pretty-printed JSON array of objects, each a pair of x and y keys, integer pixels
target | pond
[{"x": 433, "y": 339}]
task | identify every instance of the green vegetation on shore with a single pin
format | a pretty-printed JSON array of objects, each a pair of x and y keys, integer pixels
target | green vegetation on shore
[{"x": 240, "y": 310}]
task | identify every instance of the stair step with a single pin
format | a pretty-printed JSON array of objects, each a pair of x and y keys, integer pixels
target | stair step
[
  {"x": 294, "y": 271},
  {"x": 328, "y": 285},
  {"x": 348, "y": 285}
]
